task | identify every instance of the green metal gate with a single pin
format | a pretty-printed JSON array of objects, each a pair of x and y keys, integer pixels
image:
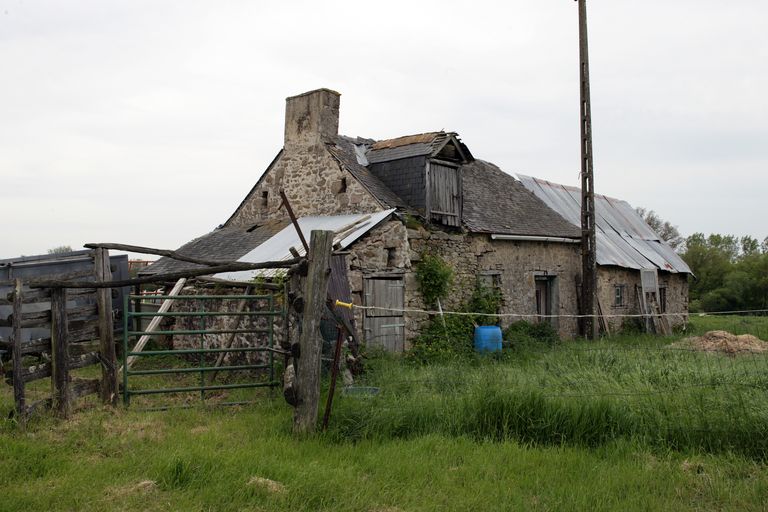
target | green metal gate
[{"x": 169, "y": 362}]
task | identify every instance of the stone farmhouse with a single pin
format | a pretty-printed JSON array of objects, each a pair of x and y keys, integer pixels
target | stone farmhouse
[{"x": 428, "y": 194}]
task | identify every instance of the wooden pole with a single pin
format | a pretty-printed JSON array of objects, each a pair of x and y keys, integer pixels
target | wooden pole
[
  {"x": 18, "y": 380},
  {"x": 588, "y": 247},
  {"x": 334, "y": 376},
  {"x": 60, "y": 353},
  {"x": 171, "y": 276},
  {"x": 108, "y": 356},
  {"x": 310, "y": 342}
]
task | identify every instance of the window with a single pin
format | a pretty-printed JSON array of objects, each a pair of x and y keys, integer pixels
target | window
[
  {"x": 619, "y": 296},
  {"x": 662, "y": 299},
  {"x": 264, "y": 199},
  {"x": 343, "y": 186}
]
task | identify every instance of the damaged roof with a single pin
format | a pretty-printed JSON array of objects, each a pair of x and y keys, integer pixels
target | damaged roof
[
  {"x": 623, "y": 237},
  {"x": 495, "y": 202},
  {"x": 344, "y": 151},
  {"x": 421, "y": 144},
  {"x": 224, "y": 243}
]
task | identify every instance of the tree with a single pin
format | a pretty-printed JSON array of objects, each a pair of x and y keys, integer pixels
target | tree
[
  {"x": 61, "y": 249},
  {"x": 661, "y": 227}
]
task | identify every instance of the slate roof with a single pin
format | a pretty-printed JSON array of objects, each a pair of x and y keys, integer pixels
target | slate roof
[
  {"x": 623, "y": 238},
  {"x": 495, "y": 202},
  {"x": 344, "y": 152},
  {"x": 225, "y": 243}
]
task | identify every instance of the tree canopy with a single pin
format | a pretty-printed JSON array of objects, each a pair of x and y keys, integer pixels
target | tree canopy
[{"x": 731, "y": 272}]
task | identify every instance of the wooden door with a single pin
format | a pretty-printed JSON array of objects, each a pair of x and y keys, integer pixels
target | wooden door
[
  {"x": 444, "y": 194},
  {"x": 385, "y": 327}
]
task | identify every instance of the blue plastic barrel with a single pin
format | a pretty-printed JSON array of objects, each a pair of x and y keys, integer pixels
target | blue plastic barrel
[{"x": 488, "y": 338}]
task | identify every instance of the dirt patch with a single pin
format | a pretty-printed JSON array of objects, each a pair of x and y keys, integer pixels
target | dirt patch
[
  {"x": 267, "y": 484},
  {"x": 143, "y": 487},
  {"x": 724, "y": 342}
]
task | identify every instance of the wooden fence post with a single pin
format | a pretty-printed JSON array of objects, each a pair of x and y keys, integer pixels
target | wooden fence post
[
  {"x": 307, "y": 383},
  {"x": 16, "y": 354},
  {"x": 108, "y": 388},
  {"x": 60, "y": 352}
]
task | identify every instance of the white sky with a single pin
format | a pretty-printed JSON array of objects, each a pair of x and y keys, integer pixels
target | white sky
[{"x": 147, "y": 122}]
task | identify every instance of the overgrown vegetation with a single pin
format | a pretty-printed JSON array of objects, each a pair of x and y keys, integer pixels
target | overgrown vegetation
[
  {"x": 577, "y": 393},
  {"x": 624, "y": 424},
  {"x": 434, "y": 276},
  {"x": 450, "y": 337}
]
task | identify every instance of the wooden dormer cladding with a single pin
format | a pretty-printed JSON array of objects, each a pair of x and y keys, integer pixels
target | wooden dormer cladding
[
  {"x": 444, "y": 192},
  {"x": 425, "y": 171}
]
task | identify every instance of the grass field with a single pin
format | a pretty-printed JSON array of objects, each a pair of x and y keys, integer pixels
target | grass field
[{"x": 612, "y": 425}]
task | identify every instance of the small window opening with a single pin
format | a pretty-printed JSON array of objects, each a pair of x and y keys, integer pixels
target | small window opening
[
  {"x": 391, "y": 254},
  {"x": 618, "y": 295},
  {"x": 343, "y": 186},
  {"x": 264, "y": 199},
  {"x": 663, "y": 300}
]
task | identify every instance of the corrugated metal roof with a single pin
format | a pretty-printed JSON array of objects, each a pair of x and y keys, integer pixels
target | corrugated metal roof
[
  {"x": 623, "y": 238},
  {"x": 277, "y": 247}
]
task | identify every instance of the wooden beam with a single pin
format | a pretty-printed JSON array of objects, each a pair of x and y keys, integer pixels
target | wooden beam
[
  {"x": 294, "y": 220},
  {"x": 242, "y": 303},
  {"x": 307, "y": 384},
  {"x": 171, "y": 276},
  {"x": 158, "y": 252},
  {"x": 60, "y": 355},
  {"x": 18, "y": 382},
  {"x": 109, "y": 389}
]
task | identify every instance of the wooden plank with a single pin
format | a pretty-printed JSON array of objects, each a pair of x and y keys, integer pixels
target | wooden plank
[
  {"x": 171, "y": 276},
  {"x": 44, "y": 370},
  {"x": 307, "y": 383},
  {"x": 59, "y": 353},
  {"x": 83, "y": 387},
  {"x": 109, "y": 394},
  {"x": 18, "y": 383},
  {"x": 242, "y": 303},
  {"x": 164, "y": 307}
]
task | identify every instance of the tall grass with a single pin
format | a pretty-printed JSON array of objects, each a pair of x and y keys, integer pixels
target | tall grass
[{"x": 578, "y": 393}]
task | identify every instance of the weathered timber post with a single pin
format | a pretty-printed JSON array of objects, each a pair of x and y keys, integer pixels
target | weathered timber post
[
  {"x": 16, "y": 354},
  {"x": 307, "y": 385},
  {"x": 588, "y": 241},
  {"x": 60, "y": 352},
  {"x": 108, "y": 388}
]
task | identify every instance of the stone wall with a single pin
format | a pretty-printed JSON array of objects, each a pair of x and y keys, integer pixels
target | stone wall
[
  {"x": 312, "y": 178},
  {"x": 391, "y": 248},
  {"x": 608, "y": 278},
  {"x": 182, "y": 323},
  {"x": 314, "y": 183}
]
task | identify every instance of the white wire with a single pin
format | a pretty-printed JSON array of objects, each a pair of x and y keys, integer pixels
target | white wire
[{"x": 522, "y": 315}]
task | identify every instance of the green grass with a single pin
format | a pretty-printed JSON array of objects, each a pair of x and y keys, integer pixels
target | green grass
[
  {"x": 539, "y": 429},
  {"x": 581, "y": 393}
]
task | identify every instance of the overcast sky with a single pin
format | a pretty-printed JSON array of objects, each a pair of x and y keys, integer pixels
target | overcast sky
[{"x": 147, "y": 122}]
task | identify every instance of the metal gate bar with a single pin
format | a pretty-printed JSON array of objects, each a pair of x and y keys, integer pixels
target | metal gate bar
[{"x": 201, "y": 368}]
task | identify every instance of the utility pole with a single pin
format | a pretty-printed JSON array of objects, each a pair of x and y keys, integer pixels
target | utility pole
[{"x": 588, "y": 247}]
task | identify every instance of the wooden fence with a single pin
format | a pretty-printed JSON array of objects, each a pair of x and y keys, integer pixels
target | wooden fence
[{"x": 80, "y": 333}]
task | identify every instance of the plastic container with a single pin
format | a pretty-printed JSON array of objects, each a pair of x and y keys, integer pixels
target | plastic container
[{"x": 488, "y": 338}]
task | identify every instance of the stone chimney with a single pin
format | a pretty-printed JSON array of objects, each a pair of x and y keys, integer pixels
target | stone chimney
[{"x": 312, "y": 117}]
